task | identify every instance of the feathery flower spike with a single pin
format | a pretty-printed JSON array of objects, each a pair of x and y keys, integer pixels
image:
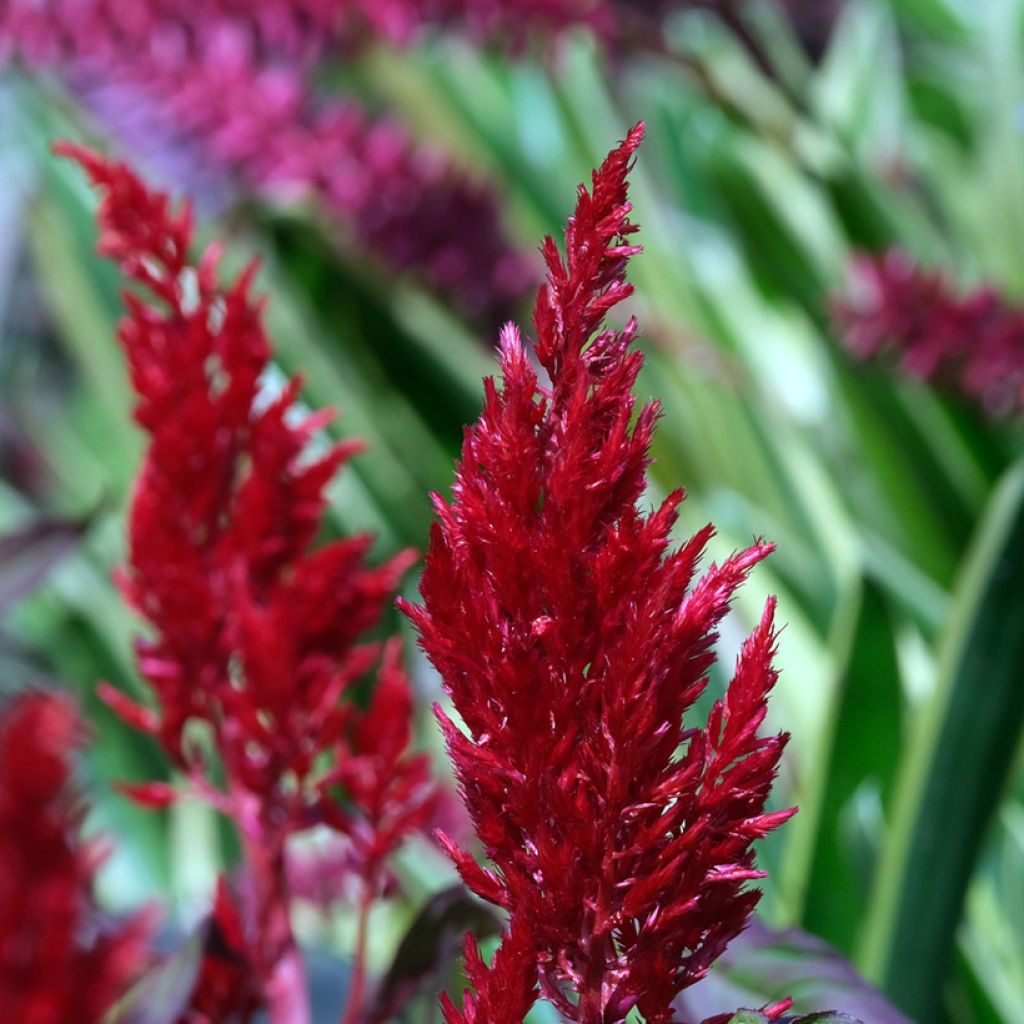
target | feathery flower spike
[
  {"x": 572, "y": 642},
  {"x": 255, "y": 631}
]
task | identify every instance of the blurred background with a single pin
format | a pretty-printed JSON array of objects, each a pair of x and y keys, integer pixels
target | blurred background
[{"x": 831, "y": 202}]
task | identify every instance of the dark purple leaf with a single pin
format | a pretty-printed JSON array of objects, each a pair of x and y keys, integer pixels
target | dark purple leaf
[
  {"x": 429, "y": 947},
  {"x": 28, "y": 554},
  {"x": 763, "y": 966}
]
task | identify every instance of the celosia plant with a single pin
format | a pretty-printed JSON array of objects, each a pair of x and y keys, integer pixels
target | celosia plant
[
  {"x": 255, "y": 632},
  {"x": 972, "y": 342},
  {"x": 58, "y": 962},
  {"x": 573, "y": 642},
  {"x": 225, "y": 95}
]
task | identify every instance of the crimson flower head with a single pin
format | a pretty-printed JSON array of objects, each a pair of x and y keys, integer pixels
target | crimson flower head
[
  {"x": 573, "y": 640},
  {"x": 256, "y": 632},
  {"x": 57, "y": 962}
]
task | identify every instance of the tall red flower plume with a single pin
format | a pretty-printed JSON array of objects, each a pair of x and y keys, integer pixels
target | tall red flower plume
[
  {"x": 256, "y": 632},
  {"x": 972, "y": 342},
  {"x": 572, "y": 641},
  {"x": 57, "y": 963}
]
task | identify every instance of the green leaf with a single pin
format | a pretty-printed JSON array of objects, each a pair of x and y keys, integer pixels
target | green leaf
[
  {"x": 86, "y": 314},
  {"x": 866, "y": 717},
  {"x": 957, "y": 766},
  {"x": 828, "y": 1017}
]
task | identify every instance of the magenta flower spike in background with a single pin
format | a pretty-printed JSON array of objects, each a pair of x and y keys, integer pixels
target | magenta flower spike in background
[
  {"x": 572, "y": 641},
  {"x": 255, "y": 631},
  {"x": 224, "y": 96},
  {"x": 971, "y": 342}
]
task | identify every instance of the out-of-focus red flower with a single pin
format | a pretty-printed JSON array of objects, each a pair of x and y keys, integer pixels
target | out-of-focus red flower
[
  {"x": 226, "y": 989},
  {"x": 572, "y": 642},
  {"x": 224, "y": 94},
  {"x": 255, "y": 631},
  {"x": 57, "y": 962},
  {"x": 375, "y": 771},
  {"x": 971, "y": 341}
]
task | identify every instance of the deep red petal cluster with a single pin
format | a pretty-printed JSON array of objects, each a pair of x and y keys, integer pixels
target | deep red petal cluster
[
  {"x": 225, "y": 989},
  {"x": 226, "y": 94},
  {"x": 573, "y": 639},
  {"x": 503, "y": 992},
  {"x": 392, "y": 789},
  {"x": 57, "y": 962},
  {"x": 256, "y": 631},
  {"x": 970, "y": 341}
]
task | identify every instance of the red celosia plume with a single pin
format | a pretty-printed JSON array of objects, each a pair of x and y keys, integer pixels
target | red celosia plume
[
  {"x": 503, "y": 992},
  {"x": 255, "y": 631},
  {"x": 971, "y": 341},
  {"x": 57, "y": 962},
  {"x": 572, "y": 641}
]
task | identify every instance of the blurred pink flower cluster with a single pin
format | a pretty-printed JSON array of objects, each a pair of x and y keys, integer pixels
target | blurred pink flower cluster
[
  {"x": 222, "y": 98},
  {"x": 971, "y": 341}
]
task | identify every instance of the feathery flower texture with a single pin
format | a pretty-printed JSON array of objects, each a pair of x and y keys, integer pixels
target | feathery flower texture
[
  {"x": 57, "y": 962},
  {"x": 256, "y": 633},
  {"x": 973, "y": 342},
  {"x": 572, "y": 640}
]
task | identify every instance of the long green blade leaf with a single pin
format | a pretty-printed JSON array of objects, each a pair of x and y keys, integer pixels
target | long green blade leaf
[{"x": 956, "y": 768}]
